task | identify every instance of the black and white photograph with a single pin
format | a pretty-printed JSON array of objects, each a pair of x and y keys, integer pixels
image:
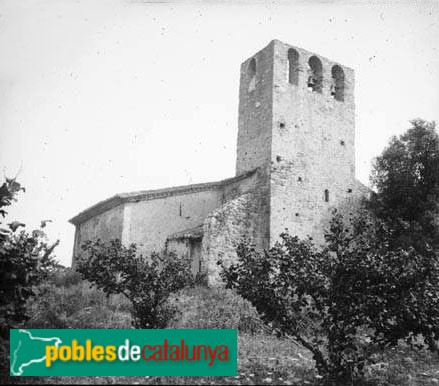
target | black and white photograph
[{"x": 219, "y": 192}]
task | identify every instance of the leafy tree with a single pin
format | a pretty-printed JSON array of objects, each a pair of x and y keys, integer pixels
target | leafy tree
[
  {"x": 406, "y": 179},
  {"x": 145, "y": 282},
  {"x": 346, "y": 301},
  {"x": 25, "y": 261}
]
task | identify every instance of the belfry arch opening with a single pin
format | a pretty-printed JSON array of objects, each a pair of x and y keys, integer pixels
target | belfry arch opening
[
  {"x": 315, "y": 74},
  {"x": 252, "y": 74},
  {"x": 293, "y": 66},
  {"x": 337, "y": 85}
]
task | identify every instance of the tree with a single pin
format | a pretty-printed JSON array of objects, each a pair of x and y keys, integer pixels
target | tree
[
  {"x": 25, "y": 261},
  {"x": 406, "y": 179},
  {"x": 145, "y": 282},
  {"x": 346, "y": 301}
]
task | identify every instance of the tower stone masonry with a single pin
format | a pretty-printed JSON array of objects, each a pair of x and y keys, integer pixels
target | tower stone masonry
[{"x": 295, "y": 163}]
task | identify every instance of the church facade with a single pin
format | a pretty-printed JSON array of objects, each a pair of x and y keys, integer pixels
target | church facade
[{"x": 295, "y": 163}]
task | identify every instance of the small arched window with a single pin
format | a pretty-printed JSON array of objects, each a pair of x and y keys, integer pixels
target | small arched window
[
  {"x": 326, "y": 195},
  {"x": 337, "y": 85},
  {"x": 315, "y": 74},
  {"x": 293, "y": 67},
  {"x": 252, "y": 74}
]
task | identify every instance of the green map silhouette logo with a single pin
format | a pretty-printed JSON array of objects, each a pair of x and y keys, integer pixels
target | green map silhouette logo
[
  {"x": 29, "y": 350},
  {"x": 123, "y": 352}
]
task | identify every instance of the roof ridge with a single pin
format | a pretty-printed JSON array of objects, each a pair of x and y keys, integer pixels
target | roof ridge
[{"x": 120, "y": 198}]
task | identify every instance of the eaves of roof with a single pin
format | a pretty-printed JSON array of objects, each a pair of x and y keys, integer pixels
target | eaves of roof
[{"x": 145, "y": 195}]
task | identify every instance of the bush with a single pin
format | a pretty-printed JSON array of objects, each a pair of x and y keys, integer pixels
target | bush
[
  {"x": 65, "y": 277},
  {"x": 145, "y": 282},
  {"x": 220, "y": 308},
  {"x": 26, "y": 259},
  {"x": 358, "y": 296}
]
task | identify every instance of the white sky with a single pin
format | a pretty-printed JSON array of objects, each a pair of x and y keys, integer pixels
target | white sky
[{"x": 101, "y": 97}]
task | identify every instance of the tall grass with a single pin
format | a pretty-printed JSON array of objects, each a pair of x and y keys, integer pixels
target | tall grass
[
  {"x": 66, "y": 301},
  {"x": 202, "y": 307}
]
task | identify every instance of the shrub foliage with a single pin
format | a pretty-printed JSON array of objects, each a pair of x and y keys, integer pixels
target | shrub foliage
[
  {"x": 406, "y": 179},
  {"x": 145, "y": 282},
  {"x": 25, "y": 261},
  {"x": 345, "y": 301}
]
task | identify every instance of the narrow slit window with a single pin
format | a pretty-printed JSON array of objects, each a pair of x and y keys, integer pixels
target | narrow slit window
[
  {"x": 252, "y": 75},
  {"x": 326, "y": 195},
  {"x": 315, "y": 74},
  {"x": 337, "y": 84},
  {"x": 293, "y": 67}
]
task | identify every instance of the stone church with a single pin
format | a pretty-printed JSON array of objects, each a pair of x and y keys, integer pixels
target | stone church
[{"x": 295, "y": 162}]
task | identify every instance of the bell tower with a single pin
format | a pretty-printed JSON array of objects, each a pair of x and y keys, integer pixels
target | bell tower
[{"x": 297, "y": 124}]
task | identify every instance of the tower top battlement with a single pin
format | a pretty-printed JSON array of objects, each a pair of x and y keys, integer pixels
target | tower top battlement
[
  {"x": 286, "y": 82},
  {"x": 302, "y": 56}
]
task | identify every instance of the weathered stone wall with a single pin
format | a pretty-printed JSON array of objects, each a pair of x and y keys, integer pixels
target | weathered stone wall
[
  {"x": 105, "y": 226},
  {"x": 312, "y": 147},
  {"x": 235, "y": 188},
  {"x": 185, "y": 247},
  {"x": 254, "y": 142},
  {"x": 180, "y": 247},
  {"x": 149, "y": 223},
  {"x": 302, "y": 140},
  {"x": 258, "y": 185},
  {"x": 255, "y": 112},
  {"x": 244, "y": 214},
  {"x": 223, "y": 229}
]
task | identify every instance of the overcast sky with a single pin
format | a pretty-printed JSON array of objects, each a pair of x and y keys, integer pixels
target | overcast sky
[{"x": 102, "y": 97}]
